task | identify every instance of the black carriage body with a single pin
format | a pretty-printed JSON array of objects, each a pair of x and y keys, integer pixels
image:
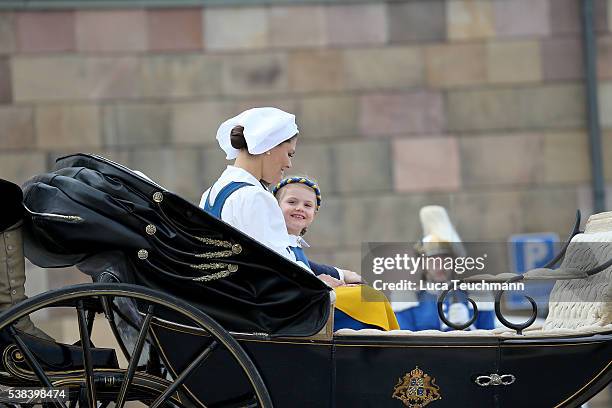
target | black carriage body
[
  {"x": 275, "y": 307},
  {"x": 367, "y": 371}
]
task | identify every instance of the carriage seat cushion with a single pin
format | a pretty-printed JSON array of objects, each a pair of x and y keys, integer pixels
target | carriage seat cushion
[{"x": 581, "y": 303}]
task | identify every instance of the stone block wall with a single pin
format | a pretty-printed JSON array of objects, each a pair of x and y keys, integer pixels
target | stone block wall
[{"x": 478, "y": 105}]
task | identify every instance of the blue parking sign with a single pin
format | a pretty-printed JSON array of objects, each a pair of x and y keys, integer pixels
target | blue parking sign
[{"x": 529, "y": 251}]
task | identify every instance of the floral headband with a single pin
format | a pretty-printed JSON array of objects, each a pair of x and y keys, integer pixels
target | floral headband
[{"x": 300, "y": 180}]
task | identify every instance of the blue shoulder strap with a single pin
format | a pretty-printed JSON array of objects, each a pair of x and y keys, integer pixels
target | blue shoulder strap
[
  {"x": 300, "y": 255},
  {"x": 228, "y": 190}
]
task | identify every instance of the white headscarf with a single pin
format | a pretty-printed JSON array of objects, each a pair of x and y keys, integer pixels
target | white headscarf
[{"x": 264, "y": 129}]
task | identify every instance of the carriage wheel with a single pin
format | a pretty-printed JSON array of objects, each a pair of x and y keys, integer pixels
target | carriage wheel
[{"x": 101, "y": 385}]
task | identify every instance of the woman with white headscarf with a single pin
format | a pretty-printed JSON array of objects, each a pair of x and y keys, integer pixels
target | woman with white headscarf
[{"x": 262, "y": 141}]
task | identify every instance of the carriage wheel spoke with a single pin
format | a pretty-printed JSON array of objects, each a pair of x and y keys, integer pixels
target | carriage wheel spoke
[
  {"x": 31, "y": 360},
  {"x": 90, "y": 321},
  {"x": 181, "y": 378},
  {"x": 127, "y": 381},
  {"x": 108, "y": 313},
  {"x": 86, "y": 345}
]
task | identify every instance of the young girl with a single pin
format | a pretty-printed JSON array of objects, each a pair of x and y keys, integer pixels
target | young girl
[{"x": 299, "y": 199}]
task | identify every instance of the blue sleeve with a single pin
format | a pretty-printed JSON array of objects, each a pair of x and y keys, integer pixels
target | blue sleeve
[{"x": 320, "y": 269}]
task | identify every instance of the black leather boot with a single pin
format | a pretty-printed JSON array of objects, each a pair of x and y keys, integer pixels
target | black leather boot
[{"x": 12, "y": 262}]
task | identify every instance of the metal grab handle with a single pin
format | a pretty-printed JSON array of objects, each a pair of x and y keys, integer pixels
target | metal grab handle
[{"x": 495, "y": 379}]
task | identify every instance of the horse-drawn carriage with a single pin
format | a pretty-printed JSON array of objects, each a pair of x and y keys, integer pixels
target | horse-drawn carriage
[{"x": 207, "y": 317}]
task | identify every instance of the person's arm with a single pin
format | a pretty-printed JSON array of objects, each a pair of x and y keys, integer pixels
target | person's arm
[
  {"x": 321, "y": 269},
  {"x": 343, "y": 275}
]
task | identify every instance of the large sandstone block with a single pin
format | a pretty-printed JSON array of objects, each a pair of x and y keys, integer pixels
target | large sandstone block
[
  {"x": 329, "y": 116},
  {"x": 297, "y": 26},
  {"x": 16, "y": 128},
  {"x": 116, "y": 154},
  {"x": 212, "y": 163},
  {"x": 483, "y": 109},
  {"x": 316, "y": 160},
  {"x": 136, "y": 124},
  {"x": 426, "y": 164},
  {"x": 550, "y": 106},
  {"x": 501, "y": 159},
  {"x": 372, "y": 174},
  {"x": 111, "y": 30},
  {"x": 385, "y": 217},
  {"x": 55, "y": 78},
  {"x": 180, "y": 76},
  {"x": 607, "y": 154},
  {"x": 68, "y": 126},
  {"x": 514, "y": 61},
  {"x": 236, "y": 28},
  {"x": 562, "y": 58},
  {"x": 482, "y": 216},
  {"x": 19, "y": 167},
  {"x": 566, "y": 157},
  {"x": 470, "y": 19},
  {"x": 566, "y": 16},
  {"x": 255, "y": 74},
  {"x": 174, "y": 29},
  {"x": 328, "y": 227},
  {"x": 401, "y": 113},
  {"x": 452, "y": 65},
  {"x": 609, "y": 16},
  {"x": 46, "y": 31},
  {"x": 522, "y": 17},
  {"x": 495, "y": 215},
  {"x": 423, "y": 20},
  {"x": 177, "y": 169},
  {"x": 6, "y": 93},
  {"x": 316, "y": 71},
  {"x": 356, "y": 24},
  {"x": 605, "y": 104},
  {"x": 553, "y": 106},
  {"x": 383, "y": 68},
  {"x": 288, "y": 104},
  {"x": 585, "y": 199},
  {"x": 197, "y": 122},
  {"x": 7, "y": 33},
  {"x": 549, "y": 209},
  {"x": 346, "y": 258},
  {"x": 604, "y": 57}
]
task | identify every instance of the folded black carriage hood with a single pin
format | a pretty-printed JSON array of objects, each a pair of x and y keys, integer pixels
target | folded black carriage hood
[{"x": 103, "y": 217}]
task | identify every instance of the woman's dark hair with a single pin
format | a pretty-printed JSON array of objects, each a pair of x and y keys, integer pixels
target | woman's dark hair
[
  {"x": 237, "y": 138},
  {"x": 238, "y": 141}
]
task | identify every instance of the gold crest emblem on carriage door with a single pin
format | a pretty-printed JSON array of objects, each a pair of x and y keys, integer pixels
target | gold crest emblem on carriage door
[{"x": 416, "y": 389}]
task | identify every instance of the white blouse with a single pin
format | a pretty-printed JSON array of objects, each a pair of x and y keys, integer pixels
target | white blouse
[{"x": 254, "y": 211}]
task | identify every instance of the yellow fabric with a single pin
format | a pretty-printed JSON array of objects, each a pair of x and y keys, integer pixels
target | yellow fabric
[{"x": 370, "y": 307}]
